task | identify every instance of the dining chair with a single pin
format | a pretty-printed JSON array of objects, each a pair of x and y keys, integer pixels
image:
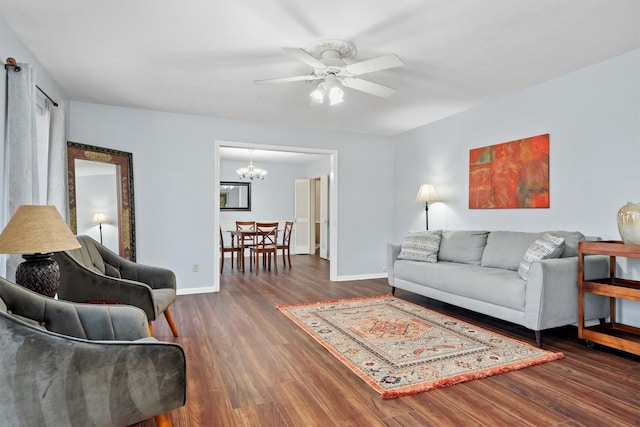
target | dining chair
[
  {"x": 245, "y": 240},
  {"x": 233, "y": 249},
  {"x": 266, "y": 244},
  {"x": 285, "y": 244}
]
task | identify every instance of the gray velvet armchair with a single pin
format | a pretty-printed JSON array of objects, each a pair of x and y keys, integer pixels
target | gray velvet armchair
[
  {"x": 67, "y": 364},
  {"x": 95, "y": 274}
]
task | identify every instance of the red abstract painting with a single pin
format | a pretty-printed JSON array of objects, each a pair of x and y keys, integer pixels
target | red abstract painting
[{"x": 510, "y": 175}]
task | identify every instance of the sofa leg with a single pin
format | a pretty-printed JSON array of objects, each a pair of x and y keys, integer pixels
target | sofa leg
[
  {"x": 393, "y": 290},
  {"x": 539, "y": 338}
]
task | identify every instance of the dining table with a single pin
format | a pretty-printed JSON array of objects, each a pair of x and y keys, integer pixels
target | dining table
[{"x": 241, "y": 234}]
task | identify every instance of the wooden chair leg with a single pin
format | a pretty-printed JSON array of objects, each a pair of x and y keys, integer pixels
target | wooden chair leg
[
  {"x": 257, "y": 261},
  {"x": 150, "y": 329},
  {"x": 172, "y": 325},
  {"x": 163, "y": 420},
  {"x": 288, "y": 257},
  {"x": 275, "y": 261}
]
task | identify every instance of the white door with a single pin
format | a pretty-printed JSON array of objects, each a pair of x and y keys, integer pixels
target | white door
[
  {"x": 303, "y": 241},
  {"x": 324, "y": 217}
]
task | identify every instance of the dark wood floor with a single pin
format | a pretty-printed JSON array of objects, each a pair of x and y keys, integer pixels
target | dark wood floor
[{"x": 248, "y": 365}]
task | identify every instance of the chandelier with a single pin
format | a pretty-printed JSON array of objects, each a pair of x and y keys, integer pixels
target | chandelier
[{"x": 251, "y": 172}]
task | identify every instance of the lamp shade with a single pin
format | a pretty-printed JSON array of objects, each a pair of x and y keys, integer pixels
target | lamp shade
[
  {"x": 36, "y": 229},
  {"x": 427, "y": 194},
  {"x": 100, "y": 218}
]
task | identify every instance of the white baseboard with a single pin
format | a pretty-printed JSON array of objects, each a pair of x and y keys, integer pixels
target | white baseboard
[
  {"x": 361, "y": 277},
  {"x": 192, "y": 291}
]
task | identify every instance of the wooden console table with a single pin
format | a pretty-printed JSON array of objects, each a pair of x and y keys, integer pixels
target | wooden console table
[{"x": 612, "y": 334}]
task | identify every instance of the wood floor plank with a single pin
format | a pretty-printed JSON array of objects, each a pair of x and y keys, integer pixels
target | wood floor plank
[
  {"x": 249, "y": 365},
  {"x": 299, "y": 407},
  {"x": 581, "y": 404},
  {"x": 436, "y": 406},
  {"x": 616, "y": 384},
  {"x": 266, "y": 414},
  {"x": 408, "y": 419},
  {"x": 526, "y": 411}
]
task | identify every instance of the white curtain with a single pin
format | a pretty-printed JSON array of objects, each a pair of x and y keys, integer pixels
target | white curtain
[
  {"x": 57, "y": 170},
  {"x": 21, "y": 162}
]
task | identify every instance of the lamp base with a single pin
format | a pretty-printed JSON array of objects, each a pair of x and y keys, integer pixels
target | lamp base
[{"x": 39, "y": 273}]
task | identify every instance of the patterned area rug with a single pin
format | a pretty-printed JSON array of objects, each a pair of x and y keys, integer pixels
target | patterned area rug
[{"x": 400, "y": 348}]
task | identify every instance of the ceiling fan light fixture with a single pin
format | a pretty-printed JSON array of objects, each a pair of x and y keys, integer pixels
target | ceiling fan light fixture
[
  {"x": 317, "y": 96},
  {"x": 329, "y": 88},
  {"x": 335, "y": 95},
  {"x": 330, "y": 64}
]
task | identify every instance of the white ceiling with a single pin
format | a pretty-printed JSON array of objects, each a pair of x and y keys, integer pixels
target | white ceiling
[{"x": 201, "y": 56}]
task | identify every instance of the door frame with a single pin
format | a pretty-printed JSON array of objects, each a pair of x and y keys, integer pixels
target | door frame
[{"x": 333, "y": 199}]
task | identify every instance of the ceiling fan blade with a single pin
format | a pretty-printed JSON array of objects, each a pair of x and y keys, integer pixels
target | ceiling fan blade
[
  {"x": 308, "y": 78},
  {"x": 368, "y": 87},
  {"x": 375, "y": 64},
  {"x": 303, "y": 56}
]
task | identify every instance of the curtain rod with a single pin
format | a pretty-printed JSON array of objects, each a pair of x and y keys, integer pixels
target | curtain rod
[{"x": 11, "y": 62}]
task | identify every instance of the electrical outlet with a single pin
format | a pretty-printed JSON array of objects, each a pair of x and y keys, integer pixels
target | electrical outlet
[
  {"x": 384, "y": 269},
  {"x": 196, "y": 268}
]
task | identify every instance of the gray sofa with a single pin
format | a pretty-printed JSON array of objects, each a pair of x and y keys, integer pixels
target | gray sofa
[{"x": 478, "y": 270}]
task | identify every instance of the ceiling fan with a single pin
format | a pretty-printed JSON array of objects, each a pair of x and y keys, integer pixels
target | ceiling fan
[{"x": 327, "y": 60}]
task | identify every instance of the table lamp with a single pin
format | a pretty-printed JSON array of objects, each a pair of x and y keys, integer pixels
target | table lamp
[
  {"x": 36, "y": 231},
  {"x": 427, "y": 194}
]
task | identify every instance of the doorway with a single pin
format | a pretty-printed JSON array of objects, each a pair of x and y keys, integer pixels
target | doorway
[
  {"x": 330, "y": 220},
  {"x": 320, "y": 209}
]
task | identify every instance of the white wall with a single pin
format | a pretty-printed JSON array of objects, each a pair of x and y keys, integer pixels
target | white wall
[
  {"x": 271, "y": 198},
  {"x": 173, "y": 157},
  {"x": 593, "y": 118}
]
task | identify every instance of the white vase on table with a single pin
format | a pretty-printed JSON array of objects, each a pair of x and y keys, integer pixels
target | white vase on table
[{"x": 629, "y": 223}]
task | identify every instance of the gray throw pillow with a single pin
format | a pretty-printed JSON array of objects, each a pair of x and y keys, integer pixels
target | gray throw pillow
[
  {"x": 421, "y": 246},
  {"x": 463, "y": 246},
  {"x": 548, "y": 246}
]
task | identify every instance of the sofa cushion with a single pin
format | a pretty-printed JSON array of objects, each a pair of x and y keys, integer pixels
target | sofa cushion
[
  {"x": 505, "y": 249},
  {"x": 421, "y": 246},
  {"x": 548, "y": 246},
  {"x": 465, "y": 247},
  {"x": 571, "y": 240},
  {"x": 491, "y": 285}
]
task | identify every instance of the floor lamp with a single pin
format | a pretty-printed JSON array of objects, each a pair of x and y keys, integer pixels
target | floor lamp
[
  {"x": 427, "y": 194},
  {"x": 99, "y": 219}
]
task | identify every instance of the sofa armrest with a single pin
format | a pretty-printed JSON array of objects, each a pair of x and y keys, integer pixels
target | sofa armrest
[
  {"x": 154, "y": 277},
  {"x": 552, "y": 292},
  {"x": 393, "y": 250},
  {"x": 84, "y": 285}
]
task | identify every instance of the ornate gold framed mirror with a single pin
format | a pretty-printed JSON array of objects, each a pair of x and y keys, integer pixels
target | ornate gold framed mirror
[{"x": 101, "y": 202}]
